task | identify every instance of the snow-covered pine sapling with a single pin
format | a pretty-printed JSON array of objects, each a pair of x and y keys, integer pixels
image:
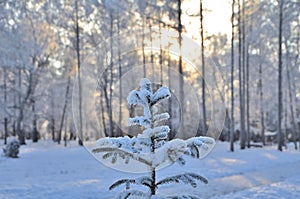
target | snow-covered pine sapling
[
  {"x": 151, "y": 147},
  {"x": 12, "y": 149}
]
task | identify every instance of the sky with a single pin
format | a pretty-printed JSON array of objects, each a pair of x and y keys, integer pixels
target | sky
[{"x": 216, "y": 16}]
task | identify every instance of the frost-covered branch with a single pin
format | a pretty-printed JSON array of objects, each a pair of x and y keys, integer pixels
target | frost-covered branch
[
  {"x": 161, "y": 94},
  {"x": 139, "y": 120},
  {"x": 115, "y": 152},
  {"x": 127, "y": 182},
  {"x": 187, "y": 178},
  {"x": 199, "y": 147},
  {"x": 160, "y": 118},
  {"x": 145, "y": 181},
  {"x": 155, "y": 132}
]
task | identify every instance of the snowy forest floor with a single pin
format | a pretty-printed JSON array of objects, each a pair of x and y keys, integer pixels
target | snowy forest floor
[{"x": 47, "y": 170}]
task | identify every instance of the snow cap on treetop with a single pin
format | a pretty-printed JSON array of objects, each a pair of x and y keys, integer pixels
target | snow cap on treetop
[{"x": 146, "y": 84}]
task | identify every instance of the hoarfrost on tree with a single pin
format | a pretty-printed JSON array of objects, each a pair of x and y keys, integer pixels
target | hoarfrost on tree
[{"x": 151, "y": 147}]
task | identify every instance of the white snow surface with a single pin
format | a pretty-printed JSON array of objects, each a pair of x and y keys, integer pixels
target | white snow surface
[{"x": 47, "y": 170}]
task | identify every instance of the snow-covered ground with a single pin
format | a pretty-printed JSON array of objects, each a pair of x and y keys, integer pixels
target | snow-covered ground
[{"x": 46, "y": 170}]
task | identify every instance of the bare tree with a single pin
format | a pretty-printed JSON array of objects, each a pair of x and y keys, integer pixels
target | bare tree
[
  {"x": 77, "y": 48},
  {"x": 5, "y": 103},
  {"x": 180, "y": 68},
  {"x": 119, "y": 133},
  {"x": 232, "y": 79},
  {"x": 241, "y": 75},
  {"x": 202, "y": 70},
  {"x": 279, "y": 135},
  {"x": 261, "y": 102},
  {"x": 64, "y": 110}
]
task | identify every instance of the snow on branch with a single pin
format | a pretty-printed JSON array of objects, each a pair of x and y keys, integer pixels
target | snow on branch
[
  {"x": 198, "y": 147},
  {"x": 126, "y": 143},
  {"x": 145, "y": 180},
  {"x": 169, "y": 152},
  {"x": 155, "y": 132},
  {"x": 139, "y": 120},
  {"x": 161, "y": 117},
  {"x": 161, "y": 94},
  {"x": 135, "y": 98},
  {"x": 127, "y": 193},
  {"x": 127, "y": 182},
  {"x": 187, "y": 178},
  {"x": 115, "y": 152},
  {"x": 145, "y": 97}
]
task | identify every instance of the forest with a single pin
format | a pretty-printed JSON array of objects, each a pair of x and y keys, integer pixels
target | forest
[{"x": 67, "y": 67}]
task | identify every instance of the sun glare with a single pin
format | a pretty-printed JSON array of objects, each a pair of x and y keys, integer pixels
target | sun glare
[{"x": 216, "y": 17}]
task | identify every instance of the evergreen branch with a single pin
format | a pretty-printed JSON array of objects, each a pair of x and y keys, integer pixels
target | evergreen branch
[
  {"x": 173, "y": 179},
  {"x": 122, "y": 154},
  {"x": 197, "y": 147},
  {"x": 190, "y": 181},
  {"x": 193, "y": 151},
  {"x": 107, "y": 155},
  {"x": 125, "y": 143},
  {"x": 123, "y": 181},
  {"x": 198, "y": 177},
  {"x": 134, "y": 98},
  {"x": 145, "y": 180},
  {"x": 187, "y": 178},
  {"x": 127, "y": 195},
  {"x": 161, "y": 136},
  {"x": 139, "y": 120},
  {"x": 160, "y": 117},
  {"x": 150, "y": 132},
  {"x": 161, "y": 94}
]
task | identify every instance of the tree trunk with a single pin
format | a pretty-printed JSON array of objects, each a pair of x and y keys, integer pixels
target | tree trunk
[
  {"x": 160, "y": 54},
  {"x": 279, "y": 136},
  {"x": 111, "y": 132},
  {"x": 151, "y": 51},
  {"x": 248, "y": 97},
  {"x": 119, "y": 133},
  {"x": 19, "y": 128},
  {"x": 285, "y": 134},
  {"x": 153, "y": 169},
  {"x": 241, "y": 92},
  {"x": 80, "y": 134},
  {"x": 143, "y": 47},
  {"x": 203, "y": 71},
  {"x": 20, "y": 116},
  {"x": 66, "y": 130},
  {"x": 296, "y": 62},
  {"x": 261, "y": 102},
  {"x": 14, "y": 110},
  {"x": 5, "y": 104},
  {"x": 103, "y": 114},
  {"x": 64, "y": 110},
  {"x": 35, "y": 133},
  {"x": 170, "y": 107},
  {"x": 232, "y": 80},
  {"x": 180, "y": 68}
]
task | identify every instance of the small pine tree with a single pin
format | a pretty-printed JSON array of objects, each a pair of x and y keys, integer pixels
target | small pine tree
[
  {"x": 151, "y": 146},
  {"x": 12, "y": 149}
]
